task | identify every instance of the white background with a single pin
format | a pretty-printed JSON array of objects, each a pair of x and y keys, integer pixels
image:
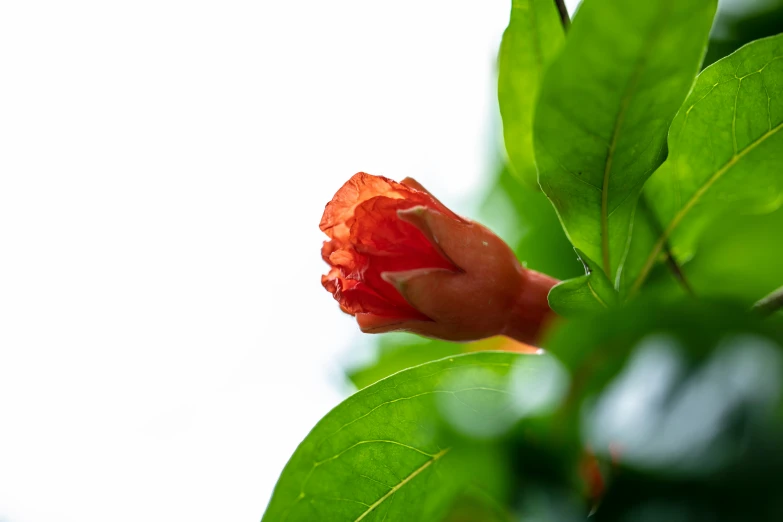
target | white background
[{"x": 164, "y": 340}]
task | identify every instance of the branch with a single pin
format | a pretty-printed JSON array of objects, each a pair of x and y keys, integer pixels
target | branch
[
  {"x": 770, "y": 304},
  {"x": 563, "y": 13},
  {"x": 679, "y": 275}
]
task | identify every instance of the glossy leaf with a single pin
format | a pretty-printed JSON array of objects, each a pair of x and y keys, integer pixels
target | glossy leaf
[
  {"x": 589, "y": 293},
  {"x": 384, "y": 454},
  {"x": 725, "y": 150},
  {"x": 604, "y": 108},
  {"x": 531, "y": 40}
]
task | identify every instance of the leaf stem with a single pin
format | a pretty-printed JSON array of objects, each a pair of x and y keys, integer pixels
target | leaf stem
[
  {"x": 561, "y": 8},
  {"x": 677, "y": 271},
  {"x": 679, "y": 275},
  {"x": 770, "y": 304}
]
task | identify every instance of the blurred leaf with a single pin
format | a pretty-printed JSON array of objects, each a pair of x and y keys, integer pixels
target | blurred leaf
[
  {"x": 532, "y": 38},
  {"x": 738, "y": 257},
  {"x": 676, "y": 339},
  {"x": 683, "y": 402},
  {"x": 476, "y": 506},
  {"x": 588, "y": 293},
  {"x": 384, "y": 454},
  {"x": 771, "y": 304},
  {"x": 742, "y": 493},
  {"x": 741, "y": 24},
  {"x": 526, "y": 220},
  {"x": 725, "y": 150},
  {"x": 604, "y": 108}
]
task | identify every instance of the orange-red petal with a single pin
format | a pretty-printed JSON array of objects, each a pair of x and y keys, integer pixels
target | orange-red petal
[{"x": 367, "y": 238}]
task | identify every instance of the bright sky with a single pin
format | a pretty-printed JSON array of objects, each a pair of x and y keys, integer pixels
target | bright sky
[{"x": 164, "y": 340}]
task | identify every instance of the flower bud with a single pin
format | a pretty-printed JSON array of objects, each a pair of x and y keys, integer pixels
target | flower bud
[{"x": 401, "y": 261}]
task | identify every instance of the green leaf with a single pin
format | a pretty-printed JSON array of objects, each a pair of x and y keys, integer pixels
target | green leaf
[
  {"x": 604, "y": 108},
  {"x": 725, "y": 150},
  {"x": 475, "y": 505},
  {"x": 399, "y": 351},
  {"x": 588, "y": 293},
  {"x": 385, "y": 454},
  {"x": 531, "y": 40}
]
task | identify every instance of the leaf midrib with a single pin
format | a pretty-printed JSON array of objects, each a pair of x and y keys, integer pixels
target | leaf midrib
[
  {"x": 538, "y": 52},
  {"x": 404, "y": 481},
  {"x": 630, "y": 90},
  {"x": 595, "y": 294}
]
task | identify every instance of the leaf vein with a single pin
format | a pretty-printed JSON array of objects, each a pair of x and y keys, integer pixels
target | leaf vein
[
  {"x": 678, "y": 217},
  {"x": 628, "y": 94},
  {"x": 401, "y": 484}
]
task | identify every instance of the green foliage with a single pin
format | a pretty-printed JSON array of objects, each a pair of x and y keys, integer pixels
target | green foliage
[
  {"x": 725, "y": 150},
  {"x": 682, "y": 402},
  {"x": 531, "y": 41},
  {"x": 584, "y": 294},
  {"x": 734, "y": 28},
  {"x": 662, "y": 407},
  {"x": 525, "y": 219},
  {"x": 393, "y": 451},
  {"x": 398, "y": 351},
  {"x": 736, "y": 258},
  {"x": 604, "y": 109}
]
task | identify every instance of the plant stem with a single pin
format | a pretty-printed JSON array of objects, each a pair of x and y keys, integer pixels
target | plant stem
[
  {"x": 531, "y": 314},
  {"x": 679, "y": 275},
  {"x": 561, "y": 8},
  {"x": 770, "y": 304}
]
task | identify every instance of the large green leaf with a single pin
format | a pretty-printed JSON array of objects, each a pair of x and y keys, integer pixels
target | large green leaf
[
  {"x": 585, "y": 294},
  {"x": 604, "y": 108},
  {"x": 531, "y": 40},
  {"x": 725, "y": 150},
  {"x": 385, "y": 454}
]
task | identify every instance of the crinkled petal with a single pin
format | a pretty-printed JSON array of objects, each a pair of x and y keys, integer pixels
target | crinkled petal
[
  {"x": 360, "y": 188},
  {"x": 367, "y": 238},
  {"x": 357, "y": 297}
]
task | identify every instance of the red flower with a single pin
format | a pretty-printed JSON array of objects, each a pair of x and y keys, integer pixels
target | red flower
[{"x": 401, "y": 260}]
